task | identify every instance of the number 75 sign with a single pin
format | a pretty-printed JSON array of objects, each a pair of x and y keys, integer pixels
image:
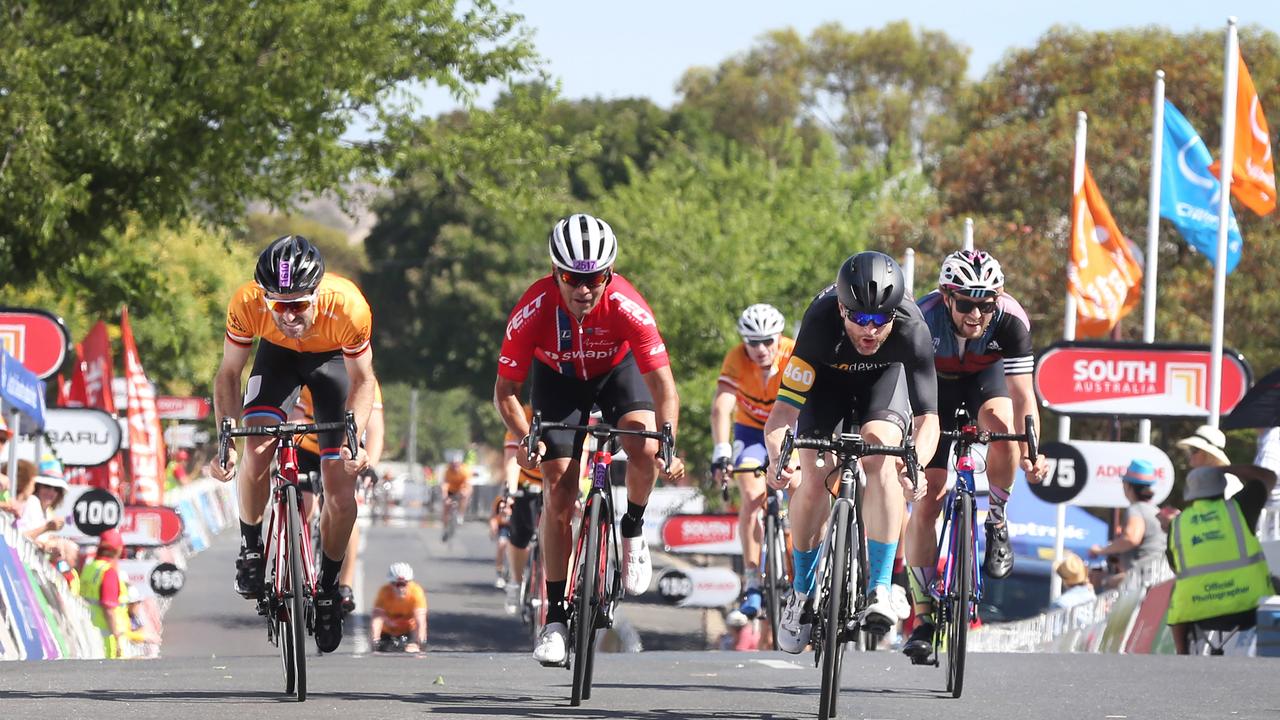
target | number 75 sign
[{"x": 1091, "y": 473}]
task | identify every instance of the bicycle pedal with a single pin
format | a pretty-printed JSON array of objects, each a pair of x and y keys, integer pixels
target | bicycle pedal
[{"x": 930, "y": 659}]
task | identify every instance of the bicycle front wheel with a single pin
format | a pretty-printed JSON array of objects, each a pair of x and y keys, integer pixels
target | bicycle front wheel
[
  {"x": 296, "y": 616},
  {"x": 775, "y": 574},
  {"x": 586, "y": 602},
  {"x": 836, "y": 614},
  {"x": 962, "y": 589}
]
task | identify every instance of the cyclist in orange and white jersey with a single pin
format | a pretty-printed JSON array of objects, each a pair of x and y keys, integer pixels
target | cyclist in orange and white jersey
[
  {"x": 315, "y": 331},
  {"x": 745, "y": 393}
]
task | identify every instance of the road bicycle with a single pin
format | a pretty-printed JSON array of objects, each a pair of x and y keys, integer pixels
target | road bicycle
[
  {"x": 775, "y": 549},
  {"x": 289, "y": 602},
  {"x": 841, "y": 572},
  {"x": 959, "y": 589},
  {"x": 596, "y": 584}
]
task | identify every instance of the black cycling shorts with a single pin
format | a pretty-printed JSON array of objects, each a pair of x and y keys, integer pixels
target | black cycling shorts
[
  {"x": 308, "y": 470},
  {"x": 525, "y": 509},
  {"x": 855, "y": 398},
  {"x": 277, "y": 375},
  {"x": 969, "y": 392},
  {"x": 568, "y": 400}
]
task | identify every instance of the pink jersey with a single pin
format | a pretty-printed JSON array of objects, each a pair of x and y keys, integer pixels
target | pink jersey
[{"x": 541, "y": 327}]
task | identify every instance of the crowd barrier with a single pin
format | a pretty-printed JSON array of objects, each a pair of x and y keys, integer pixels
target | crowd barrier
[{"x": 42, "y": 619}]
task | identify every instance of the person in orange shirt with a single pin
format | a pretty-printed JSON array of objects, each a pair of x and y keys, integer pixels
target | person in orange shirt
[
  {"x": 745, "y": 393},
  {"x": 457, "y": 491},
  {"x": 316, "y": 331},
  {"x": 399, "y": 612}
]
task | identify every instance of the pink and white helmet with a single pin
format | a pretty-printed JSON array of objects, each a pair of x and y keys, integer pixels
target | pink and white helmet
[{"x": 971, "y": 272}]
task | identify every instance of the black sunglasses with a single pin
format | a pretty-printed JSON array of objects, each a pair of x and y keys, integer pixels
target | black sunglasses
[
  {"x": 964, "y": 307},
  {"x": 591, "y": 280},
  {"x": 767, "y": 342}
]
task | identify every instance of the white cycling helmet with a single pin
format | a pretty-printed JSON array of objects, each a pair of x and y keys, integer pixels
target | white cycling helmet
[
  {"x": 971, "y": 272},
  {"x": 400, "y": 571},
  {"x": 760, "y": 322},
  {"x": 582, "y": 243}
]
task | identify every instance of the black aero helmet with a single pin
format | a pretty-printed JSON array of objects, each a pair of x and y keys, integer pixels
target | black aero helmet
[
  {"x": 290, "y": 264},
  {"x": 870, "y": 282}
]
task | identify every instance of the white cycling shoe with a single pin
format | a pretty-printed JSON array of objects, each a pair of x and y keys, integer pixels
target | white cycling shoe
[
  {"x": 552, "y": 645},
  {"x": 881, "y": 614},
  {"x": 795, "y": 624},
  {"x": 637, "y": 570}
]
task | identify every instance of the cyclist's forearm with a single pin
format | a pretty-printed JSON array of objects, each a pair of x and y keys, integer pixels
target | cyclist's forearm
[
  {"x": 374, "y": 436},
  {"x": 360, "y": 398},
  {"x": 782, "y": 416},
  {"x": 421, "y": 617},
  {"x": 506, "y": 398},
  {"x": 926, "y": 437},
  {"x": 1023, "y": 394},
  {"x": 226, "y": 390},
  {"x": 722, "y": 415},
  {"x": 666, "y": 401}
]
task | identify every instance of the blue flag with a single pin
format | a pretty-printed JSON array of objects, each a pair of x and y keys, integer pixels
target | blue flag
[{"x": 1189, "y": 191}]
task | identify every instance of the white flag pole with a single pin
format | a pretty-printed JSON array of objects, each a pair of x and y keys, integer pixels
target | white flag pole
[
  {"x": 968, "y": 233},
  {"x": 1153, "y": 231},
  {"x": 909, "y": 270},
  {"x": 1069, "y": 333},
  {"x": 1227, "y": 161}
]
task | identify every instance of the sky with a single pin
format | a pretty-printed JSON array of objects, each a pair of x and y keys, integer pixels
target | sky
[{"x": 630, "y": 49}]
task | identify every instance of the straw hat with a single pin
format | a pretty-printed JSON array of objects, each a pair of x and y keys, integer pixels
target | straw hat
[
  {"x": 1071, "y": 569},
  {"x": 1209, "y": 439}
]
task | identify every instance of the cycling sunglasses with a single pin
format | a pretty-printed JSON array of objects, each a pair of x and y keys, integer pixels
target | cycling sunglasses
[
  {"x": 295, "y": 306},
  {"x": 865, "y": 319},
  {"x": 591, "y": 280},
  {"x": 964, "y": 307},
  {"x": 767, "y": 342}
]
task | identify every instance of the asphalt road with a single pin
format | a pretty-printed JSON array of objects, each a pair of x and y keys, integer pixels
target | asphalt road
[{"x": 216, "y": 663}]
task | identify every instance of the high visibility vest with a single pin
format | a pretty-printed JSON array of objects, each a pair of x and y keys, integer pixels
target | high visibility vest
[
  {"x": 91, "y": 589},
  {"x": 1219, "y": 563}
]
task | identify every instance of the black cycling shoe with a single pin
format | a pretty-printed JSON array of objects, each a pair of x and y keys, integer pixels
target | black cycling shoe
[
  {"x": 919, "y": 647},
  {"x": 347, "y": 598},
  {"x": 998, "y": 562},
  {"x": 249, "y": 572},
  {"x": 328, "y": 628}
]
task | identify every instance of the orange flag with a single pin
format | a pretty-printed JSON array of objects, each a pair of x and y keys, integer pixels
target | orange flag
[
  {"x": 1102, "y": 275},
  {"x": 1253, "y": 173}
]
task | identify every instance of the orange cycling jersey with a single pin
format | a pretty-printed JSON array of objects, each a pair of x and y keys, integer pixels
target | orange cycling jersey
[
  {"x": 311, "y": 442},
  {"x": 399, "y": 609},
  {"x": 342, "y": 319},
  {"x": 457, "y": 479},
  {"x": 755, "y": 394}
]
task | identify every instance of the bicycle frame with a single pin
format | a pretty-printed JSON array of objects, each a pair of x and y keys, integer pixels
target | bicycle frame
[{"x": 277, "y": 543}]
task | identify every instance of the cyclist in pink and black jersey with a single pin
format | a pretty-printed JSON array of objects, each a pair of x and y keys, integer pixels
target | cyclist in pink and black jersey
[
  {"x": 587, "y": 338},
  {"x": 984, "y": 360}
]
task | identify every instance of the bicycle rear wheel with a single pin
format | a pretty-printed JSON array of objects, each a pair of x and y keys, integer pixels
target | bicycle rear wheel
[
  {"x": 296, "y": 616},
  {"x": 583, "y": 622},
  {"x": 836, "y": 610},
  {"x": 533, "y": 592},
  {"x": 775, "y": 574},
  {"x": 962, "y": 589}
]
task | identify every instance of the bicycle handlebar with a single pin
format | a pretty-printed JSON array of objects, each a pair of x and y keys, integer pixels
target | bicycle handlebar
[
  {"x": 602, "y": 432},
  {"x": 850, "y": 445},
  {"x": 970, "y": 434},
  {"x": 226, "y": 432}
]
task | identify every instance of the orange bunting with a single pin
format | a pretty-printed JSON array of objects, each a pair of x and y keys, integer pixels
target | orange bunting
[
  {"x": 1253, "y": 174},
  {"x": 1102, "y": 275}
]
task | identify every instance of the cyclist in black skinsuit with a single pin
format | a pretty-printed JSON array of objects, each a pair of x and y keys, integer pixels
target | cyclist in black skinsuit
[{"x": 863, "y": 356}]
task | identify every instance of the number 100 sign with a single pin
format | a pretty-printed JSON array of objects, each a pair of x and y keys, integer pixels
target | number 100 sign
[{"x": 96, "y": 511}]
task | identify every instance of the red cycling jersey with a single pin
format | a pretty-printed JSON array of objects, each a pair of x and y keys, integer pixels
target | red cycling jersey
[{"x": 541, "y": 326}]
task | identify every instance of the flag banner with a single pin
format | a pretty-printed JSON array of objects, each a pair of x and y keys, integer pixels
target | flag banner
[
  {"x": 95, "y": 371},
  {"x": 146, "y": 444},
  {"x": 1190, "y": 191},
  {"x": 1102, "y": 274},
  {"x": 1253, "y": 172}
]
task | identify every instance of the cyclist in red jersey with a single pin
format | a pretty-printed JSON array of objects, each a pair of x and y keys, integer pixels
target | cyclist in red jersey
[{"x": 588, "y": 338}]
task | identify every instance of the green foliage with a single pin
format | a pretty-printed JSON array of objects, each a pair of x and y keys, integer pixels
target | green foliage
[
  {"x": 446, "y": 419},
  {"x": 176, "y": 284},
  {"x": 150, "y": 112},
  {"x": 340, "y": 255}
]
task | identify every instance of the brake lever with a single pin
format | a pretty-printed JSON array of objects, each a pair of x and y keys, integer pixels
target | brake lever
[{"x": 224, "y": 441}]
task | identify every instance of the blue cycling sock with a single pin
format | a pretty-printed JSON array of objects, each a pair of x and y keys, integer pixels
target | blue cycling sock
[
  {"x": 806, "y": 562},
  {"x": 880, "y": 563}
]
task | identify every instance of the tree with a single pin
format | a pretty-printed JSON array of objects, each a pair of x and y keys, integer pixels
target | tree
[{"x": 150, "y": 112}]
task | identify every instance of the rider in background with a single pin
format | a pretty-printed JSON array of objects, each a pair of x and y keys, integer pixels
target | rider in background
[
  {"x": 500, "y": 531},
  {"x": 524, "y": 485},
  {"x": 862, "y": 356},
  {"x": 315, "y": 331},
  {"x": 588, "y": 338},
  {"x": 745, "y": 393},
  {"x": 982, "y": 351},
  {"x": 457, "y": 488},
  {"x": 400, "y": 609}
]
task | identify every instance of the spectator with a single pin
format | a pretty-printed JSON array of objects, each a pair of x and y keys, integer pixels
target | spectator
[
  {"x": 1140, "y": 537},
  {"x": 1076, "y": 589},
  {"x": 399, "y": 611},
  {"x": 104, "y": 589},
  {"x": 1206, "y": 447},
  {"x": 4, "y": 478},
  {"x": 50, "y": 489},
  {"x": 1215, "y": 554},
  {"x": 22, "y": 500},
  {"x": 740, "y": 633},
  {"x": 1269, "y": 457},
  {"x": 176, "y": 474}
]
